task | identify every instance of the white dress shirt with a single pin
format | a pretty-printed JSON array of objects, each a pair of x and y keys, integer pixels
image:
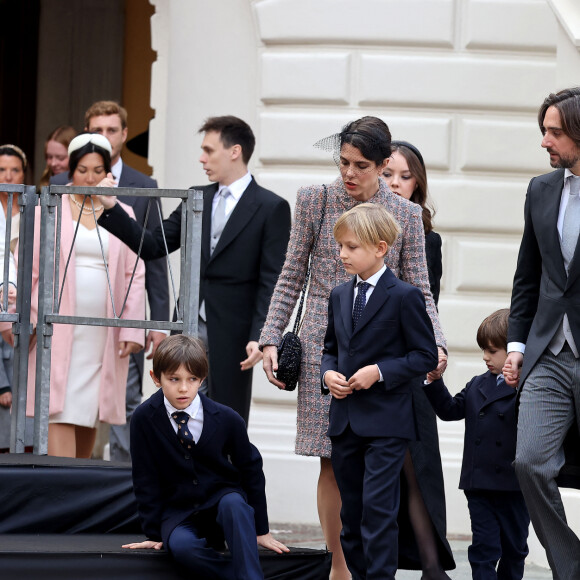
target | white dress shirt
[
  {"x": 195, "y": 412},
  {"x": 116, "y": 170}
]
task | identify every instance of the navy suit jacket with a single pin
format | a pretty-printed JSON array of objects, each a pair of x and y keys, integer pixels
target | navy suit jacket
[
  {"x": 394, "y": 332},
  {"x": 489, "y": 446},
  {"x": 172, "y": 483},
  {"x": 156, "y": 279}
]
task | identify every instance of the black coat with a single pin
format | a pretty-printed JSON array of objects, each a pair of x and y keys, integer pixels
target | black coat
[{"x": 489, "y": 446}]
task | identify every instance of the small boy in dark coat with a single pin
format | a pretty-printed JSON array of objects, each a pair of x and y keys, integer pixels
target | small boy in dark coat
[
  {"x": 379, "y": 337},
  {"x": 499, "y": 518},
  {"x": 197, "y": 478}
]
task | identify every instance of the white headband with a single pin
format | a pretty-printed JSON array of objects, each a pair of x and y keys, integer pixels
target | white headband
[{"x": 95, "y": 138}]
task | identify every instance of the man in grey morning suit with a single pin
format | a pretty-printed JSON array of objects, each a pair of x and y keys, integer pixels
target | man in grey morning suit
[
  {"x": 545, "y": 323},
  {"x": 110, "y": 119}
]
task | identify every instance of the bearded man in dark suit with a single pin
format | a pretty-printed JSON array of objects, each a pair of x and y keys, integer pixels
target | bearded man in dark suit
[{"x": 545, "y": 323}]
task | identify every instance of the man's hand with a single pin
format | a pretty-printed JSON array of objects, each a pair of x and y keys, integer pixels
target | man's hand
[
  {"x": 152, "y": 342},
  {"x": 6, "y": 399},
  {"x": 267, "y": 541},
  {"x": 364, "y": 378},
  {"x": 511, "y": 368},
  {"x": 147, "y": 544},
  {"x": 126, "y": 347},
  {"x": 254, "y": 355},
  {"x": 270, "y": 364},
  {"x": 108, "y": 201},
  {"x": 337, "y": 384}
]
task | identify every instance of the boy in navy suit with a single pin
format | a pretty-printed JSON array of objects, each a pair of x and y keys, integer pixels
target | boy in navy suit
[
  {"x": 378, "y": 338},
  {"x": 197, "y": 478},
  {"x": 499, "y": 518}
]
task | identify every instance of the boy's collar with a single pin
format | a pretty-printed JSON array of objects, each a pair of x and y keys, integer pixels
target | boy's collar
[{"x": 372, "y": 280}]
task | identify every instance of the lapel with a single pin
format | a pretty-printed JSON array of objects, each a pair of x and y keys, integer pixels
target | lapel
[
  {"x": 492, "y": 392},
  {"x": 378, "y": 298},
  {"x": 346, "y": 298},
  {"x": 125, "y": 179},
  {"x": 210, "y": 421},
  {"x": 161, "y": 421},
  {"x": 208, "y": 195},
  {"x": 239, "y": 218},
  {"x": 550, "y": 196}
]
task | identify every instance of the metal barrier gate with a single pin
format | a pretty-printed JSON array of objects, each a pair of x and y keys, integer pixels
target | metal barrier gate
[{"x": 49, "y": 291}]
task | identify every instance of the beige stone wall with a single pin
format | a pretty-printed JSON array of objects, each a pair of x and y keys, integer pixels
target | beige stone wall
[{"x": 461, "y": 79}]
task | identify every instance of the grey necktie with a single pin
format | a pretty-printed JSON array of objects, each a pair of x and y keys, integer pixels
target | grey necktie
[
  {"x": 219, "y": 219},
  {"x": 571, "y": 225}
]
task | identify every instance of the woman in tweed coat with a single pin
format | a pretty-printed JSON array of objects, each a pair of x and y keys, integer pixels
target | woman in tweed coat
[{"x": 406, "y": 259}]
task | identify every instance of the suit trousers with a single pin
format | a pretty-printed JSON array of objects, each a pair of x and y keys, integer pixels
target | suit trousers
[
  {"x": 499, "y": 524},
  {"x": 189, "y": 547},
  {"x": 119, "y": 440},
  {"x": 549, "y": 404},
  {"x": 367, "y": 471}
]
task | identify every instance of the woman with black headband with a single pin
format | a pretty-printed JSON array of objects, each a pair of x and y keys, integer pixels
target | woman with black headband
[
  {"x": 406, "y": 176},
  {"x": 361, "y": 151}
]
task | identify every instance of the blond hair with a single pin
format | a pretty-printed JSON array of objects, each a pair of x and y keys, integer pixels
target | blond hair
[{"x": 370, "y": 223}]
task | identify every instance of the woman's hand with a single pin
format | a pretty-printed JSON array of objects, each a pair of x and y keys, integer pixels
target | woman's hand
[
  {"x": 147, "y": 545},
  {"x": 270, "y": 364},
  {"x": 126, "y": 347},
  {"x": 108, "y": 201}
]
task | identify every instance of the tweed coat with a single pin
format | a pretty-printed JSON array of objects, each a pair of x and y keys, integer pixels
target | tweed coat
[{"x": 406, "y": 259}]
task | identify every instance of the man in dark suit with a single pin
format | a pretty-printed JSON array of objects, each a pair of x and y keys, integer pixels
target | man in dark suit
[
  {"x": 545, "y": 322},
  {"x": 245, "y": 231},
  {"x": 110, "y": 119},
  {"x": 379, "y": 337}
]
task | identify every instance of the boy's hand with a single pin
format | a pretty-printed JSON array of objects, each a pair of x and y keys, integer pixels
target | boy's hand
[
  {"x": 268, "y": 541},
  {"x": 147, "y": 544},
  {"x": 511, "y": 368},
  {"x": 364, "y": 378},
  {"x": 337, "y": 384}
]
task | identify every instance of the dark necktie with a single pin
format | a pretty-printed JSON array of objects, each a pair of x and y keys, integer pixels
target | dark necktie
[
  {"x": 359, "y": 302},
  {"x": 183, "y": 433}
]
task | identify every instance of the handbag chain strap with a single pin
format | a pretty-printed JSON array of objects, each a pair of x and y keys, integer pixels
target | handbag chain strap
[{"x": 298, "y": 321}]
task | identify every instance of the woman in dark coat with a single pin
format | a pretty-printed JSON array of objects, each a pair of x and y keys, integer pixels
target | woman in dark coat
[{"x": 422, "y": 528}]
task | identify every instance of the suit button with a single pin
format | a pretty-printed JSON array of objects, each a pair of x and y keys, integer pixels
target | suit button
[
  {"x": 477, "y": 441},
  {"x": 498, "y": 443},
  {"x": 482, "y": 413},
  {"x": 187, "y": 456},
  {"x": 497, "y": 468},
  {"x": 350, "y": 353},
  {"x": 195, "y": 482},
  {"x": 500, "y": 415}
]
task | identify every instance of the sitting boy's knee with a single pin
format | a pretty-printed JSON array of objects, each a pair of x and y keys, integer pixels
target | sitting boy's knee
[{"x": 231, "y": 503}]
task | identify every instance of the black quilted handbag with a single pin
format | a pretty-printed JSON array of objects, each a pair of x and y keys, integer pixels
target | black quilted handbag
[{"x": 290, "y": 349}]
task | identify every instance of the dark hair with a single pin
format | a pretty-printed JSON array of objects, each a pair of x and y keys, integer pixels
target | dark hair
[
  {"x": 14, "y": 151},
  {"x": 178, "y": 350},
  {"x": 567, "y": 102},
  {"x": 78, "y": 154},
  {"x": 416, "y": 165},
  {"x": 106, "y": 108},
  {"x": 233, "y": 131},
  {"x": 371, "y": 136},
  {"x": 493, "y": 330}
]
